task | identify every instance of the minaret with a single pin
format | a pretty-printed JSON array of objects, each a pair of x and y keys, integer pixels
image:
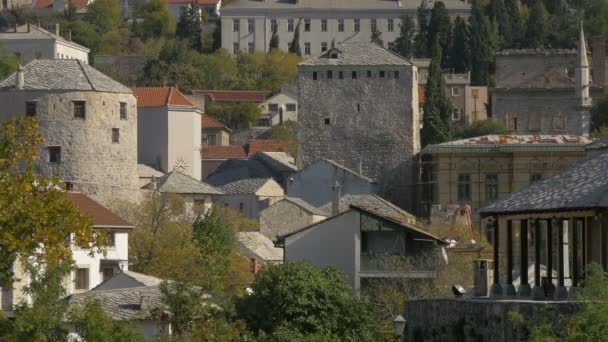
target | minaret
[{"x": 582, "y": 73}]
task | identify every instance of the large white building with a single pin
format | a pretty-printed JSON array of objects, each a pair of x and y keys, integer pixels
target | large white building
[
  {"x": 247, "y": 25},
  {"x": 30, "y": 42}
]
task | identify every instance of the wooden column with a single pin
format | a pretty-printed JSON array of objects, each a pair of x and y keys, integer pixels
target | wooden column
[
  {"x": 524, "y": 286},
  {"x": 574, "y": 251},
  {"x": 496, "y": 287},
  {"x": 603, "y": 237},
  {"x": 560, "y": 291},
  {"x": 550, "y": 229},
  {"x": 510, "y": 289},
  {"x": 538, "y": 292}
]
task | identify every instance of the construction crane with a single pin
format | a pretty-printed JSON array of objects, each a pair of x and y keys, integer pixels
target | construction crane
[{"x": 459, "y": 213}]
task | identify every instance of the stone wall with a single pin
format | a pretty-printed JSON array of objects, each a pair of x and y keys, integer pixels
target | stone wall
[
  {"x": 448, "y": 320},
  {"x": 285, "y": 217}
]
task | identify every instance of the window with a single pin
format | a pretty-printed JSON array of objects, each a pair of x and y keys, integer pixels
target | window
[
  {"x": 357, "y": 25},
  {"x": 456, "y": 114},
  {"x": 123, "y": 111},
  {"x": 54, "y": 154},
  {"x": 534, "y": 122},
  {"x": 30, "y": 108},
  {"x": 291, "y": 107},
  {"x": 115, "y": 135},
  {"x": 323, "y": 46},
  {"x": 307, "y": 25},
  {"x": 455, "y": 91},
  {"x": 391, "y": 25},
  {"x": 340, "y": 75},
  {"x": 330, "y": 74},
  {"x": 491, "y": 187},
  {"x": 327, "y": 121},
  {"x": 353, "y": 75},
  {"x": 81, "y": 279},
  {"x": 236, "y": 26},
  {"x": 396, "y": 75},
  {"x": 290, "y": 25},
  {"x": 464, "y": 187},
  {"x": 111, "y": 242},
  {"x": 307, "y": 48},
  {"x": 369, "y": 74},
  {"x": 79, "y": 109},
  {"x": 273, "y": 107},
  {"x": 251, "y": 47},
  {"x": 381, "y": 74},
  {"x": 251, "y": 25},
  {"x": 274, "y": 25},
  {"x": 373, "y": 25},
  {"x": 211, "y": 140},
  {"x": 314, "y": 75},
  {"x": 241, "y": 207},
  {"x": 535, "y": 177},
  {"x": 235, "y": 48},
  {"x": 340, "y": 25},
  {"x": 69, "y": 186},
  {"x": 323, "y": 25},
  {"x": 358, "y": 107}
]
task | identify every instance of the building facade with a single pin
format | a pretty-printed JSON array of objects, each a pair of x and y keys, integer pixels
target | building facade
[
  {"x": 247, "y": 25},
  {"x": 359, "y": 108},
  {"x": 88, "y": 122},
  {"x": 279, "y": 108}
]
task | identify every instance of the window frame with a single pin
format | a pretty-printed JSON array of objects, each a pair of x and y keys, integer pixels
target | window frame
[
  {"x": 324, "y": 25},
  {"x": 54, "y": 151},
  {"x": 323, "y": 46},
  {"x": 357, "y": 25},
  {"x": 291, "y": 107},
  {"x": 463, "y": 187},
  {"x": 236, "y": 25},
  {"x": 373, "y": 24},
  {"x": 391, "y": 25},
  {"x": 251, "y": 47},
  {"x": 28, "y": 105},
  {"x": 211, "y": 140},
  {"x": 307, "y": 50},
  {"x": 85, "y": 271},
  {"x": 290, "y": 25},
  {"x": 492, "y": 187},
  {"x": 251, "y": 25},
  {"x": 456, "y": 114},
  {"x": 330, "y": 74},
  {"x": 123, "y": 110},
  {"x": 274, "y": 25},
  {"x": 341, "y": 25},
  {"x": 455, "y": 91},
  {"x": 77, "y": 114},
  {"x": 115, "y": 135},
  {"x": 306, "y": 25}
]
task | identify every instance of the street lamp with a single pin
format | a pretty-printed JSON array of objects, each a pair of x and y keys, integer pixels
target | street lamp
[{"x": 399, "y": 324}]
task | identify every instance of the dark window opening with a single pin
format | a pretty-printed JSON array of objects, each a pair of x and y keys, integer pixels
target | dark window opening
[
  {"x": 69, "y": 186},
  {"x": 55, "y": 154},
  {"x": 491, "y": 187},
  {"x": 535, "y": 177},
  {"x": 340, "y": 75},
  {"x": 123, "y": 111},
  {"x": 327, "y": 121},
  {"x": 30, "y": 108},
  {"x": 314, "y": 75},
  {"x": 354, "y": 75},
  {"x": 381, "y": 74},
  {"x": 115, "y": 135},
  {"x": 80, "y": 109},
  {"x": 369, "y": 73},
  {"x": 358, "y": 107},
  {"x": 330, "y": 74},
  {"x": 396, "y": 74},
  {"x": 464, "y": 187}
]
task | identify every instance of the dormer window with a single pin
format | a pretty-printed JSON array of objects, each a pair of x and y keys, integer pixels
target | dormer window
[{"x": 334, "y": 53}]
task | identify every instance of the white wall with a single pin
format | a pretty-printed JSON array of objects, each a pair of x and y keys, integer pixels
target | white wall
[
  {"x": 65, "y": 51},
  {"x": 281, "y": 99},
  {"x": 184, "y": 145}
]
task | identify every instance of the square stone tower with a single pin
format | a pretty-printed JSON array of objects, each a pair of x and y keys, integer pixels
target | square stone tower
[{"x": 359, "y": 107}]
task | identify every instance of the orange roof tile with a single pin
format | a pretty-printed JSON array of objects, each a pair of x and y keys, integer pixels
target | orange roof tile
[
  {"x": 234, "y": 95},
  {"x": 160, "y": 97},
  {"x": 223, "y": 152},
  {"x": 43, "y": 3},
  {"x": 102, "y": 217},
  {"x": 211, "y": 122},
  {"x": 264, "y": 145}
]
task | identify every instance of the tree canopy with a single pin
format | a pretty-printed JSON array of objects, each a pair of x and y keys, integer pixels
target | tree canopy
[{"x": 104, "y": 15}]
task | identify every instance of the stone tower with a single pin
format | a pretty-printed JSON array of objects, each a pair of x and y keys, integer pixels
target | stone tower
[
  {"x": 359, "y": 108},
  {"x": 88, "y": 122}
]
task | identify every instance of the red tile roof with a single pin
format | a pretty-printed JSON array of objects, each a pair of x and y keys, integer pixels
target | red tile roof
[
  {"x": 102, "y": 217},
  {"x": 200, "y": 2},
  {"x": 78, "y": 4},
  {"x": 234, "y": 95},
  {"x": 160, "y": 97},
  {"x": 223, "y": 152},
  {"x": 264, "y": 145},
  {"x": 211, "y": 122},
  {"x": 43, "y": 3}
]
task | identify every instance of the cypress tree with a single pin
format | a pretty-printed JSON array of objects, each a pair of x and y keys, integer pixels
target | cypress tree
[
  {"x": 517, "y": 33},
  {"x": 480, "y": 45},
  {"x": 294, "y": 47},
  {"x": 459, "y": 52},
  {"x": 421, "y": 40},
  {"x": 189, "y": 27},
  {"x": 274, "y": 41},
  {"x": 437, "y": 106},
  {"x": 498, "y": 13},
  {"x": 404, "y": 44},
  {"x": 536, "y": 30},
  {"x": 439, "y": 30}
]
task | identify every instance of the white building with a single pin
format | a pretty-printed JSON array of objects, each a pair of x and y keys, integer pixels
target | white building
[
  {"x": 279, "y": 108},
  {"x": 210, "y": 7},
  {"x": 247, "y": 25},
  {"x": 30, "y": 42},
  {"x": 169, "y": 131}
]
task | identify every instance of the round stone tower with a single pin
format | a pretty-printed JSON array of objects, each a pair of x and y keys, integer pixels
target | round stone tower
[{"x": 88, "y": 121}]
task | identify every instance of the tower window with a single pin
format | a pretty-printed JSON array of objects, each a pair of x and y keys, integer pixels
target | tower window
[
  {"x": 381, "y": 74},
  {"x": 30, "y": 108},
  {"x": 79, "y": 109},
  {"x": 354, "y": 75},
  {"x": 327, "y": 121},
  {"x": 369, "y": 74},
  {"x": 358, "y": 107},
  {"x": 54, "y": 154},
  {"x": 396, "y": 75},
  {"x": 115, "y": 135},
  {"x": 340, "y": 75},
  {"x": 330, "y": 74},
  {"x": 123, "y": 111},
  {"x": 314, "y": 75}
]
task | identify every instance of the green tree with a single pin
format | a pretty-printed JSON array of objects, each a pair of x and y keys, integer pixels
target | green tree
[
  {"x": 497, "y": 12},
  {"x": 377, "y": 37},
  {"x": 104, "y": 15},
  {"x": 189, "y": 26},
  {"x": 157, "y": 20},
  {"x": 304, "y": 300},
  {"x": 84, "y": 33},
  {"x": 421, "y": 42},
  {"x": 437, "y": 106},
  {"x": 480, "y": 128},
  {"x": 480, "y": 45},
  {"x": 599, "y": 114},
  {"x": 404, "y": 44},
  {"x": 274, "y": 41},
  {"x": 287, "y": 135},
  {"x": 536, "y": 28},
  {"x": 93, "y": 324},
  {"x": 459, "y": 52},
  {"x": 439, "y": 30},
  {"x": 8, "y": 63},
  {"x": 516, "y": 25},
  {"x": 241, "y": 115},
  {"x": 294, "y": 47}
]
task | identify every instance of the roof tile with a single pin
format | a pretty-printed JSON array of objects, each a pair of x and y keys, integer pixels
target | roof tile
[
  {"x": 264, "y": 145},
  {"x": 211, "y": 122},
  {"x": 160, "y": 97},
  {"x": 101, "y": 215},
  {"x": 223, "y": 152}
]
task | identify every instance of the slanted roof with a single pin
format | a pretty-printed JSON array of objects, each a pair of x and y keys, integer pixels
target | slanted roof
[
  {"x": 264, "y": 145},
  {"x": 358, "y": 54},
  {"x": 240, "y": 169},
  {"x": 599, "y": 144},
  {"x": 279, "y": 161},
  {"x": 234, "y": 95},
  {"x": 223, "y": 152},
  {"x": 146, "y": 171},
  {"x": 160, "y": 97},
  {"x": 260, "y": 246},
  {"x": 339, "y": 166},
  {"x": 38, "y": 33},
  {"x": 63, "y": 74},
  {"x": 583, "y": 186},
  {"x": 511, "y": 143},
  {"x": 102, "y": 217},
  {"x": 306, "y": 206},
  {"x": 211, "y": 122},
  {"x": 371, "y": 202},
  {"x": 247, "y": 186},
  {"x": 176, "y": 182},
  {"x": 536, "y": 52},
  {"x": 128, "y": 279},
  {"x": 43, "y": 4},
  {"x": 347, "y": 5}
]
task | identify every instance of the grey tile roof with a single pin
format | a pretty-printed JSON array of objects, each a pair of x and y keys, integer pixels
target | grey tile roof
[
  {"x": 347, "y": 5},
  {"x": 37, "y": 33},
  {"x": 260, "y": 245},
  {"x": 128, "y": 279},
  {"x": 248, "y": 186},
  {"x": 599, "y": 144},
  {"x": 176, "y": 182},
  {"x": 279, "y": 161},
  {"x": 511, "y": 143},
  {"x": 307, "y": 206},
  {"x": 240, "y": 169},
  {"x": 358, "y": 54},
  {"x": 372, "y": 202},
  {"x": 64, "y": 74},
  {"x": 536, "y": 52},
  {"x": 146, "y": 171},
  {"x": 582, "y": 186},
  {"x": 340, "y": 166}
]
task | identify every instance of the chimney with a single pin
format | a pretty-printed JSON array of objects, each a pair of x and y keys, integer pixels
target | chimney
[
  {"x": 335, "y": 204},
  {"x": 28, "y": 27},
  {"x": 68, "y": 35},
  {"x": 20, "y": 78},
  {"x": 57, "y": 29},
  {"x": 599, "y": 61},
  {"x": 144, "y": 303}
]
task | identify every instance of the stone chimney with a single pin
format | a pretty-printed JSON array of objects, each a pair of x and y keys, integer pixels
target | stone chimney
[
  {"x": 144, "y": 303},
  {"x": 335, "y": 203},
  {"x": 599, "y": 61},
  {"x": 57, "y": 29},
  {"x": 68, "y": 35},
  {"x": 20, "y": 78}
]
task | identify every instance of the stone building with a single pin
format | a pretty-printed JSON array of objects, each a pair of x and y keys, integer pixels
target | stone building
[
  {"x": 359, "y": 108},
  {"x": 247, "y": 25},
  {"x": 88, "y": 122},
  {"x": 544, "y": 91},
  {"x": 288, "y": 215}
]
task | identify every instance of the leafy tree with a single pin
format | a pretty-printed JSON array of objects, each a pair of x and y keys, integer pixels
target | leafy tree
[
  {"x": 480, "y": 45},
  {"x": 404, "y": 44},
  {"x": 599, "y": 113},
  {"x": 437, "y": 107},
  {"x": 242, "y": 115},
  {"x": 274, "y": 41},
  {"x": 157, "y": 20},
  {"x": 84, "y": 33},
  {"x": 8, "y": 63},
  {"x": 480, "y": 128},
  {"x": 421, "y": 42},
  {"x": 294, "y": 47},
  {"x": 91, "y": 323},
  {"x": 439, "y": 30},
  {"x": 536, "y": 30},
  {"x": 459, "y": 53},
  {"x": 301, "y": 299},
  {"x": 189, "y": 26},
  {"x": 514, "y": 40},
  {"x": 377, "y": 37},
  {"x": 121, "y": 42},
  {"x": 104, "y": 15}
]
